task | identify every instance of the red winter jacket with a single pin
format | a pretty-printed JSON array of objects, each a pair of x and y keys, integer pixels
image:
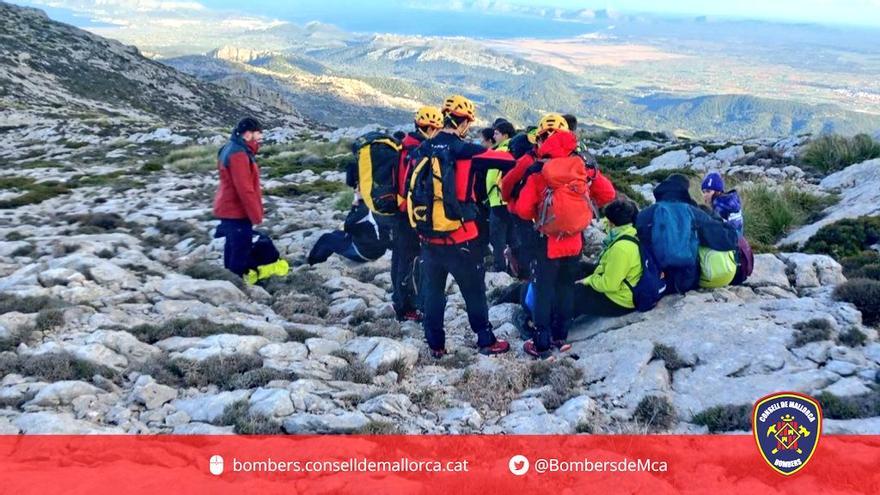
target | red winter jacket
[
  {"x": 512, "y": 178},
  {"x": 409, "y": 143},
  {"x": 239, "y": 195},
  {"x": 559, "y": 145}
]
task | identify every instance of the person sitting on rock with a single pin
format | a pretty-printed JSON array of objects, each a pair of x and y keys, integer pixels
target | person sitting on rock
[
  {"x": 607, "y": 291},
  {"x": 361, "y": 239},
  {"x": 238, "y": 204},
  {"x": 681, "y": 228},
  {"x": 727, "y": 205}
]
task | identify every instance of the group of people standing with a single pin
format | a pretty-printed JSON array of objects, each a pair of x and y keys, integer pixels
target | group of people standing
[{"x": 440, "y": 202}]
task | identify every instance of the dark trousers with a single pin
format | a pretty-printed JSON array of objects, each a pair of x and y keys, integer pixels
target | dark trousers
[
  {"x": 554, "y": 284},
  {"x": 404, "y": 251},
  {"x": 337, "y": 242},
  {"x": 589, "y": 302},
  {"x": 238, "y": 248},
  {"x": 525, "y": 246},
  {"x": 465, "y": 263},
  {"x": 500, "y": 234}
]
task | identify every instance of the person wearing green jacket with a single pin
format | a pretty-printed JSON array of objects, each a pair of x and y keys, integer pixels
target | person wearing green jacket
[
  {"x": 607, "y": 290},
  {"x": 500, "y": 221}
]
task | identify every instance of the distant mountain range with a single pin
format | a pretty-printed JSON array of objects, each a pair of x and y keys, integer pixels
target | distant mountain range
[
  {"x": 350, "y": 80},
  {"x": 316, "y": 71},
  {"x": 50, "y": 70}
]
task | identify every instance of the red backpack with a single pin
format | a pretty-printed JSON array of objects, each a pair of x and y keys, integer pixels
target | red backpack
[{"x": 566, "y": 208}]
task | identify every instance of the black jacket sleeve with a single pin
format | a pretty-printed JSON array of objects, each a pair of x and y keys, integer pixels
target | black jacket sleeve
[{"x": 713, "y": 232}]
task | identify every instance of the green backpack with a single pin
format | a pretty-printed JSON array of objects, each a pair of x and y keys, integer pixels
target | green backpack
[{"x": 717, "y": 268}]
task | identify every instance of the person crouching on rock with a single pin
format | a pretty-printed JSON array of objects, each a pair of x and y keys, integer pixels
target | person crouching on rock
[
  {"x": 607, "y": 291},
  {"x": 361, "y": 240},
  {"x": 238, "y": 205}
]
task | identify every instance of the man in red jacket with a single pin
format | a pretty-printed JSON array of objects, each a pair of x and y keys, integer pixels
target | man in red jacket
[
  {"x": 405, "y": 242},
  {"x": 239, "y": 204},
  {"x": 557, "y": 255}
]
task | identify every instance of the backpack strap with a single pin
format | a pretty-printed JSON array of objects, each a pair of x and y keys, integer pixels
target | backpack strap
[{"x": 632, "y": 240}]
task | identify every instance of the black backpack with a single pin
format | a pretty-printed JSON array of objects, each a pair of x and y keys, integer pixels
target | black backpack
[
  {"x": 378, "y": 156},
  {"x": 432, "y": 204}
]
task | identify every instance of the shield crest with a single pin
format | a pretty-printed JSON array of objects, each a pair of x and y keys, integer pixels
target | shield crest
[{"x": 787, "y": 427}]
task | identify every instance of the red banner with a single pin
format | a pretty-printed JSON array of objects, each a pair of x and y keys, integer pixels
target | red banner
[{"x": 654, "y": 464}]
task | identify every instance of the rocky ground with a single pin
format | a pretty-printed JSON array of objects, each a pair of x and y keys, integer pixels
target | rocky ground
[{"x": 117, "y": 317}]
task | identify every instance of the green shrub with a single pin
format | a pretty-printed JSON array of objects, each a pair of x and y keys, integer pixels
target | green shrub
[
  {"x": 244, "y": 422},
  {"x": 864, "y": 294},
  {"x": 295, "y": 334},
  {"x": 35, "y": 193},
  {"x": 852, "y": 338},
  {"x": 320, "y": 187},
  {"x": 26, "y": 250},
  {"x": 378, "y": 428},
  {"x": 354, "y": 371},
  {"x": 847, "y": 237},
  {"x": 47, "y": 319},
  {"x": 491, "y": 390},
  {"x": 27, "y": 304},
  {"x": 725, "y": 418},
  {"x": 563, "y": 378},
  {"x": 863, "y": 265},
  {"x": 226, "y": 372},
  {"x": 398, "y": 366},
  {"x": 670, "y": 357},
  {"x": 770, "y": 214},
  {"x": 200, "y": 327},
  {"x": 344, "y": 200},
  {"x": 193, "y": 159},
  {"x": 385, "y": 327},
  {"x": 814, "y": 330},
  {"x": 656, "y": 413},
  {"x": 831, "y": 153},
  {"x": 851, "y": 407},
  {"x": 209, "y": 271},
  {"x": 53, "y": 367}
]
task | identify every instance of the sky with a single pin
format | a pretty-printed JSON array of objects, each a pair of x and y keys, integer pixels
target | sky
[{"x": 340, "y": 12}]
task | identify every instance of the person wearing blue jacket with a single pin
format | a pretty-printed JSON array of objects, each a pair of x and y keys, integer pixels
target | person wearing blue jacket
[
  {"x": 727, "y": 205},
  {"x": 712, "y": 231}
]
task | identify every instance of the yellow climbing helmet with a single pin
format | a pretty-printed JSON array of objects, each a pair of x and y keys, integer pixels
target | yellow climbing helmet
[
  {"x": 552, "y": 122},
  {"x": 429, "y": 117},
  {"x": 460, "y": 106}
]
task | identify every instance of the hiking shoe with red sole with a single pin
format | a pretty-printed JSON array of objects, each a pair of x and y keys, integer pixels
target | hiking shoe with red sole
[
  {"x": 499, "y": 347},
  {"x": 438, "y": 353},
  {"x": 561, "y": 345},
  {"x": 532, "y": 350},
  {"x": 414, "y": 315}
]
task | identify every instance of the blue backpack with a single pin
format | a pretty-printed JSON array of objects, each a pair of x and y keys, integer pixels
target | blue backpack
[
  {"x": 674, "y": 240},
  {"x": 650, "y": 288}
]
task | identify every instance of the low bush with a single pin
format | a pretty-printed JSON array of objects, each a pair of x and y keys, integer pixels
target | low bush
[
  {"x": 656, "y": 413},
  {"x": 209, "y": 271},
  {"x": 244, "y": 422},
  {"x": 670, "y": 357},
  {"x": 354, "y": 371},
  {"x": 771, "y": 213},
  {"x": 563, "y": 378},
  {"x": 200, "y": 327},
  {"x": 864, "y": 294},
  {"x": 815, "y": 330},
  {"x": 850, "y": 407},
  {"x": 832, "y": 153},
  {"x": 725, "y": 418}
]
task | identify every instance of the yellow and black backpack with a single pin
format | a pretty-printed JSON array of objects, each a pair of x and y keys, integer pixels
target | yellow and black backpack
[
  {"x": 431, "y": 200},
  {"x": 377, "y": 158}
]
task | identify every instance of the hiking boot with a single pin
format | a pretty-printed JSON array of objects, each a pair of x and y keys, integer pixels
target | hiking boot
[
  {"x": 438, "y": 353},
  {"x": 251, "y": 277},
  {"x": 532, "y": 350},
  {"x": 561, "y": 345},
  {"x": 279, "y": 268},
  {"x": 499, "y": 347}
]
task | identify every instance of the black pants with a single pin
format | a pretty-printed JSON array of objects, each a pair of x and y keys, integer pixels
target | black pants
[
  {"x": 404, "y": 251},
  {"x": 337, "y": 242},
  {"x": 554, "y": 285},
  {"x": 587, "y": 301},
  {"x": 238, "y": 248},
  {"x": 500, "y": 235},
  {"x": 525, "y": 246},
  {"x": 465, "y": 263}
]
